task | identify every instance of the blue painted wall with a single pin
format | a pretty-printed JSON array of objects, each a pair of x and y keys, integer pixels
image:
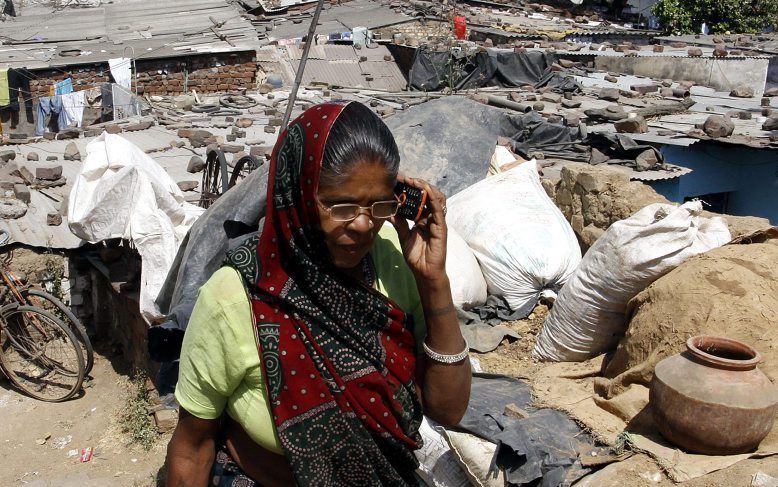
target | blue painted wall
[{"x": 749, "y": 175}]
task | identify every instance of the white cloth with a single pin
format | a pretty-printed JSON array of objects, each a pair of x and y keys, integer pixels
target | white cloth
[
  {"x": 72, "y": 108},
  {"x": 120, "y": 70},
  {"x": 125, "y": 104},
  {"x": 121, "y": 192}
]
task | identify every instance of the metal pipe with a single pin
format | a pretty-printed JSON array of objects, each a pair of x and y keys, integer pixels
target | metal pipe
[
  {"x": 503, "y": 103},
  {"x": 303, "y": 59},
  {"x": 681, "y": 93}
]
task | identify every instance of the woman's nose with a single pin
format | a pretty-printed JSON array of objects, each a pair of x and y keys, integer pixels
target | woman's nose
[{"x": 362, "y": 223}]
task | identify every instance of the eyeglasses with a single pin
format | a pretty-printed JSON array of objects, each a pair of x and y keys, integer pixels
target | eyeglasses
[{"x": 347, "y": 212}]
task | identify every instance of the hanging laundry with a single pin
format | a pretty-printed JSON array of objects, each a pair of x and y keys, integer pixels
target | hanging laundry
[
  {"x": 49, "y": 105},
  {"x": 63, "y": 87},
  {"x": 72, "y": 113},
  {"x": 125, "y": 104},
  {"x": 19, "y": 84},
  {"x": 120, "y": 70},
  {"x": 5, "y": 98},
  {"x": 106, "y": 95}
]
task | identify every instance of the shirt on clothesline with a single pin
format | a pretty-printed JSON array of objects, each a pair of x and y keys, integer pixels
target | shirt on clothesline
[
  {"x": 120, "y": 70},
  {"x": 72, "y": 109},
  {"x": 63, "y": 87},
  {"x": 5, "y": 98}
]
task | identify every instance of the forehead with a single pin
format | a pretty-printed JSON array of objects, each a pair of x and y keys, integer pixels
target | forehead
[{"x": 366, "y": 182}]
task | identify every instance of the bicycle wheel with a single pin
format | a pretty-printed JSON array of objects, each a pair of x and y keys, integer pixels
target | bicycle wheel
[
  {"x": 40, "y": 354},
  {"x": 41, "y": 299}
]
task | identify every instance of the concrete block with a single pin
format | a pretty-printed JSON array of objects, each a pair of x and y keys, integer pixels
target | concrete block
[
  {"x": 22, "y": 192},
  {"x": 49, "y": 173}
]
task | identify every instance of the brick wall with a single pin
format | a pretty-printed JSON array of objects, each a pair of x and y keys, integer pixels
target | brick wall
[
  {"x": 420, "y": 29},
  {"x": 206, "y": 74}
]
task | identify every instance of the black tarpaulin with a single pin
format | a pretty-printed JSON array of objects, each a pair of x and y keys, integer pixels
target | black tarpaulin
[
  {"x": 540, "y": 450},
  {"x": 458, "y": 70}
]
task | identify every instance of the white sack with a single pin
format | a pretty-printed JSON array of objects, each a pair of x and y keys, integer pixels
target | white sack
[
  {"x": 468, "y": 287},
  {"x": 438, "y": 465},
  {"x": 523, "y": 243},
  {"x": 588, "y": 316},
  {"x": 123, "y": 193}
]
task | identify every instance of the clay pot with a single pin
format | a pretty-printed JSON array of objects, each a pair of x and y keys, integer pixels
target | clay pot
[{"x": 712, "y": 399}]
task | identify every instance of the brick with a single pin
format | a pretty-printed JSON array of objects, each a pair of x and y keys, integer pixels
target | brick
[
  {"x": 54, "y": 219},
  {"x": 22, "y": 192},
  {"x": 49, "y": 173}
]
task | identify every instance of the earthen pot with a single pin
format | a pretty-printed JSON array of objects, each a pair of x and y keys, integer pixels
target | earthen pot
[{"x": 712, "y": 399}]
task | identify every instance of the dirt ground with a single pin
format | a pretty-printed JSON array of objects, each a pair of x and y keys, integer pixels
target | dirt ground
[
  {"x": 91, "y": 420},
  {"x": 514, "y": 358}
]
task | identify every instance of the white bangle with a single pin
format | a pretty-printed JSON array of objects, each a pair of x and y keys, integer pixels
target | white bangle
[{"x": 446, "y": 359}]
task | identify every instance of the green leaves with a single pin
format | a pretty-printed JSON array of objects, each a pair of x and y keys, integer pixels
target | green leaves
[{"x": 735, "y": 16}]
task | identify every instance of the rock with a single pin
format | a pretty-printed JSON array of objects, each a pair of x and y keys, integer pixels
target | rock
[
  {"x": 632, "y": 125},
  {"x": 658, "y": 48},
  {"x": 553, "y": 118},
  {"x": 52, "y": 158},
  {"x": 25, "y": 174},
  {"x": 764, "y": 102},
  {"x": 265, "y": 88},
  {"x": 7, "y": 155},
  {"x": 11, "y": 208},
  {"x": 270, "y": 129},
  {"x": 667, "y": 83},
  {"x": 647, "y": 160},
  {"x": 720, "y": 51},
  {"x": 603, "y": 115},
  {"x": 770, "y": 124},
  {"x": 742, "y": 91},
  {"x": 611, "y": 79},
  {"x": 667, "y": 93},
  {"x": 551, "y": 97},
  {"x": 177, "y": 144},
  {"x": 717, "y": 126},
  {"x": 166, "y": 420},
  {"x": 566, "y": 63},
  {"x": 22, "y": 193},
  {"x": 539, "y": 106},
  {"x": 275, "y": 122},
  {"x": 198, "y": 138},
  {"x": 137, "y": 127},
  {"x": 262, "y": 151},
  {"x": 595, "y": 47},
  {"x": 188, "y": 185},
  {"x": 231, "y": 137},
  {"x": 185, "y": 133},
  {"x": 72, "y": 153},
  {"x": 597, "y": 157},
  {"x": 54, "y": 219},
  {"x": 68, "y": 134},
  {"x": 572, "y": 121},
  {"x": 571, "y": 104},
  {"x": 644, "y": 89},
  {"x": 614, "y": 109},
  {"x": 244, "y": 123},
  {"x": 113, "y": 128},
  {"x": 385, "y": 111},
  {"x": 609, "y": 94},
  {"x": 488, "y": 43},
  {"x": 694, "y": 52},
  {"x": 231, "y": 148},
  {"x": 49, "y": 173},
  {"x": 196, "y": 164},
  {"x": 771, "y": 92},
  {"x": 678, "y": 45},
  {"x": 33, "y": 156}
]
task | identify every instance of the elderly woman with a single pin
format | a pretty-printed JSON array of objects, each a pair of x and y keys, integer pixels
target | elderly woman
[{"x": 311, "y": 356}]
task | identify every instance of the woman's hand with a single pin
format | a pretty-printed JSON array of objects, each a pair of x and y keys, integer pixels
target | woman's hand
[{"x": 424, "y": 245}]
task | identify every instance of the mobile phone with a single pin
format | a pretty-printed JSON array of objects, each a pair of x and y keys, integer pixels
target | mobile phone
[{"x": 413, "y": 202}]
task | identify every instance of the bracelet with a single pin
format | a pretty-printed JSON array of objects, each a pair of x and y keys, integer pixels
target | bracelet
[{"x": 446, "y": 359}]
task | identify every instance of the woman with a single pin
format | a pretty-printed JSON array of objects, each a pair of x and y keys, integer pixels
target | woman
[{"x": 320, "y": 339}]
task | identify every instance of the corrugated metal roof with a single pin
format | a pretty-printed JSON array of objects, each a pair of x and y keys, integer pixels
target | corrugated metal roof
[{"x": 151, "y": 29}]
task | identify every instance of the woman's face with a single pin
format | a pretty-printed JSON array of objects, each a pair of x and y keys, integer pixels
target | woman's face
[{"x": 349, "y": 242}]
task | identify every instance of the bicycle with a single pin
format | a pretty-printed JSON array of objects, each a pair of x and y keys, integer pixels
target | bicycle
[
  {"x": 25, "y": 295},
  {"x": 39, "y": 354}
]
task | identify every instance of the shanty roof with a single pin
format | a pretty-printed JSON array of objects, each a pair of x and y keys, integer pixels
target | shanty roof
[
  {"x": 339, "y": 18},
  {"x": 133, "y": 28},
  {"x": 371, "y": 67},
  {"x": 762, "y": 43}
]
